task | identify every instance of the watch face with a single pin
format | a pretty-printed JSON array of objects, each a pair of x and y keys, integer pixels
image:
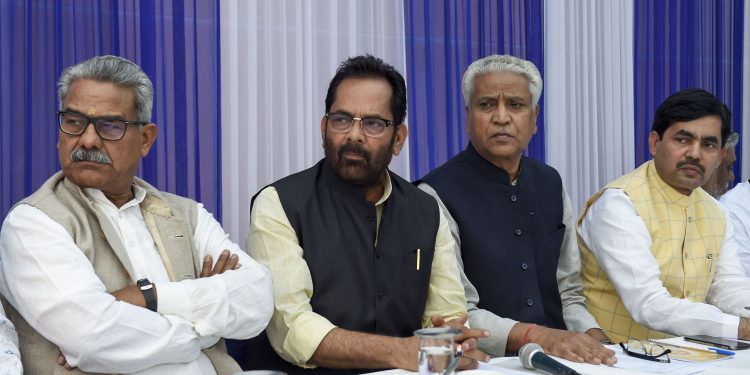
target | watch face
[{"x": 144, "y": 283}]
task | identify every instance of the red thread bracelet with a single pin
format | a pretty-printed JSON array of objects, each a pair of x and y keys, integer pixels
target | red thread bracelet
[{"x": 526, "y": 334}]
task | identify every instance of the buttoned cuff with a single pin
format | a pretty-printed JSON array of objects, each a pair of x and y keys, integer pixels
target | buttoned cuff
[
  {"x": 173, "y": 299},
  {"x": 304, "y": 336}
]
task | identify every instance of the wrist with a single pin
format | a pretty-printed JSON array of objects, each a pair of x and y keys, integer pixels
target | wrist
[
  {"x": 407, "y": 356},
  {"x": 525, "y": 339},
  {"x": 149, "y": 293}
]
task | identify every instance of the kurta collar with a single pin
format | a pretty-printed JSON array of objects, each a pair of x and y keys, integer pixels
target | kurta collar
[
  {"x": 98, "y": 196},
  {"x": 487, "y": 169}
]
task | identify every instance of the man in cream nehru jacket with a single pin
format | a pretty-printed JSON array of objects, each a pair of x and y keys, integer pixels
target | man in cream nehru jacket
[{"x": 102, "y": 272}]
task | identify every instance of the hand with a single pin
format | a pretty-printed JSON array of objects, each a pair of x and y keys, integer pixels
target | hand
[
  {"x": 573, "y": 346},
  {"x": 743, "y": 332},
  {"x": 598, "y": 335},
  {"x": 227, "y": 261},
  {"x": 63, "y": 362},
  {"x": 467, "y": 340}
]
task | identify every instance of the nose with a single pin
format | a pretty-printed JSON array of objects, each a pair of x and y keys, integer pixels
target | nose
[
  {"x": 694, "y": 150},
  {"x": 356, "y": 133},
  {"x": 501, "y": 115},
  {"x": 89, "y": 138}
]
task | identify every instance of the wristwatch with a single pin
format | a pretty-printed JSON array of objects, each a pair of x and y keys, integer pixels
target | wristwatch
[{"x": 149, "y": 293}]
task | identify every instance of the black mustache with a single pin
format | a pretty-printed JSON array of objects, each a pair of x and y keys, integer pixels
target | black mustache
[
  {"x": 692, "y": 162},
  {"x": 353, "y": 148}
]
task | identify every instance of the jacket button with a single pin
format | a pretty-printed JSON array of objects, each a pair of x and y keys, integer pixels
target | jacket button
[
  {"x": 370, "y": 217},
  {"x": 529, "y": 302},
  {"x": 382, "y": 295},
  {"x": 513, "y": 198},
  {"x": 524, "y": 266},
  {"x": 378, "y": 254},
  {"x": 518, "y": 232}
]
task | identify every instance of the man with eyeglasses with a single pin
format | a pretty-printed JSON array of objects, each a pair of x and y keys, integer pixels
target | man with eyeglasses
[
  {"x": 104, "y": 273},
  {"x": 659, "y": 255},
  {"x": 513, "y": 222},
  {"x": 360, "y": 257}
]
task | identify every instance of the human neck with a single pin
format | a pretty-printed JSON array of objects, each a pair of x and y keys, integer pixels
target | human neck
[
  {"x": 119, "y": 199},
  {"x": 375, "y": 192}
]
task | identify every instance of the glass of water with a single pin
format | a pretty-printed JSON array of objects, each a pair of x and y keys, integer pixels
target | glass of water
[{"x": 436, "y": 353}]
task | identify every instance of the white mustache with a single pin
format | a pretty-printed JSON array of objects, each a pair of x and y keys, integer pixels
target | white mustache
[{"x": 96, "y": 156}]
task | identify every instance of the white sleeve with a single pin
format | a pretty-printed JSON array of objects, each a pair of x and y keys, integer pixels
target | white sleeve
[
  {"x": 54, "y": 287},
  {"x": 730, "y": 289},
  {"x": 236, "y": 304},
  {"x": 621, "y": 243},
  {"x": 735, "y": 201},
  {"x": 10, "y": 357}
]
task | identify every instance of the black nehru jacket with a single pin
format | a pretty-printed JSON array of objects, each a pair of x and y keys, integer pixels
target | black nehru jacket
[
  {"x": 357, "y": 284},
  {"x": 510, "y": 235}
]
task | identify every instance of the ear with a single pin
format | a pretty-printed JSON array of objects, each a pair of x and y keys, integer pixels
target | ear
[
  {"x": 653, "y": 141},
  {"x": 148, "y": 136},
  {"x": 401, "y": 133},
  {"x": 536, "y": 114},
  {"x": 323, "y": 123},
  {"x": 722, "y": 155}
]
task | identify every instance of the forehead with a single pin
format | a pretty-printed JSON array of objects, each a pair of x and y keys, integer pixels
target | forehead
[
  {"x": 88, "y": 95},
  {"x": 704, "y": 127},
  {"x": 496, "y": 83},
  {"x": 362, "y": 93}
]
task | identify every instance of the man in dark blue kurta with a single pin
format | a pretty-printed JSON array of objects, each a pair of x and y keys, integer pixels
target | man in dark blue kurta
[{"x": 512, "y": 220}]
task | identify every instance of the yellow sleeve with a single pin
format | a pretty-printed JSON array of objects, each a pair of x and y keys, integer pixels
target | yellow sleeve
[
  {"x": 295, "y": 331},
  {"x": 445, "y": 296}
]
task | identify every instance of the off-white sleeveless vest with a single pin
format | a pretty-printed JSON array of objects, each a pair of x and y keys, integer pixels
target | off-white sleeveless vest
[{"x": 170, "y": 219}]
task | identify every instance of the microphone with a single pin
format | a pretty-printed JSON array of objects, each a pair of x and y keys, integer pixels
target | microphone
[{"x": 532, "y": 357}]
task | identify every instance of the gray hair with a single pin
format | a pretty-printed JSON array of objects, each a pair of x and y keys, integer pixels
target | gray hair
[
  {"x": 114, "y": 69},
  {"x": 732, "y": 140},
  {"x": 502, "y": 63}
]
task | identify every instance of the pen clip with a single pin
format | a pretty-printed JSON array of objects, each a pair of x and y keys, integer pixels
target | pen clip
[{"x": 419, "y": 255}]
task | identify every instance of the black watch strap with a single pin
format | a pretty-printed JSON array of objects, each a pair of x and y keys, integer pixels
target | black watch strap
[{"x": 149, "y": 293}]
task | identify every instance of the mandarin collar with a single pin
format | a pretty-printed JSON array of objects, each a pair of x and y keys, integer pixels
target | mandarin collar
[{"x": 488, "y": 170}]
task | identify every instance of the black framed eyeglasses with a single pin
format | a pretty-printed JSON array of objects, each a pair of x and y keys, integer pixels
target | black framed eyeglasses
[
  {"x": 108, "y": 128},
  {"x": 649, "y": 351},
  {"x": 371, "y": 126}
]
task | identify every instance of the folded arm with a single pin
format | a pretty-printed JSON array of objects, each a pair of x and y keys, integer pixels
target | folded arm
[
  {"x": 234, "y": 304},
  {"x": 53, "y": 285}
]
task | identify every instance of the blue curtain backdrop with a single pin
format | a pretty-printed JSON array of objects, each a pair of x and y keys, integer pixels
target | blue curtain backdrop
[
  {"x": 177, "y": 44},
  {"x": 683, "y": 44},
  {"x": 442, "y": 39}
]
